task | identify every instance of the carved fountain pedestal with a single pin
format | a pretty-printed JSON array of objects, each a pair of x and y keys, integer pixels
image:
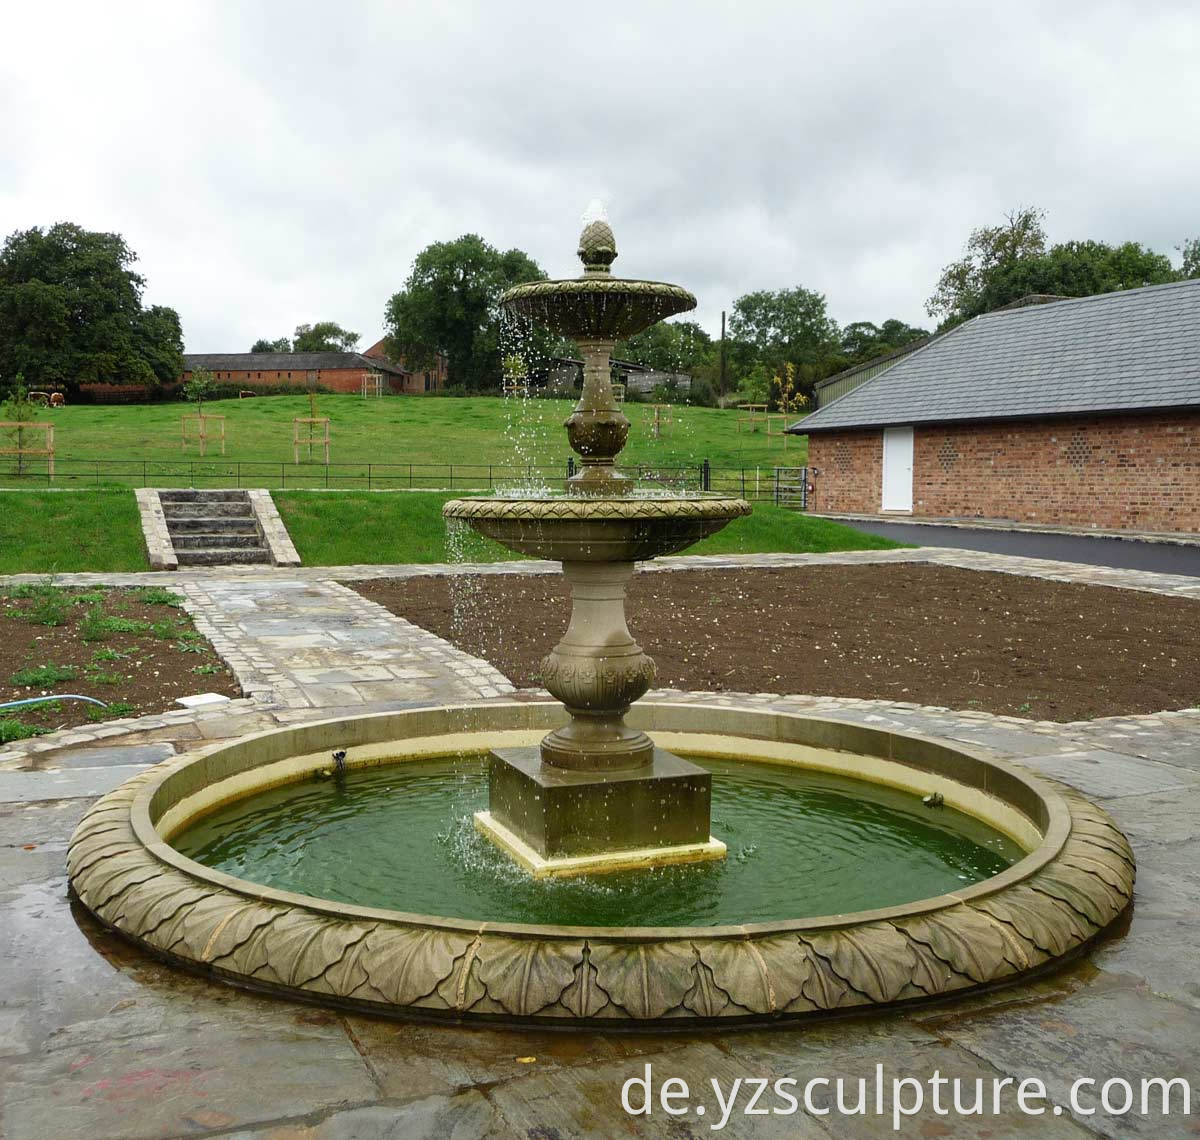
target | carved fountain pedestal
[{"x": 597, "y": 795}]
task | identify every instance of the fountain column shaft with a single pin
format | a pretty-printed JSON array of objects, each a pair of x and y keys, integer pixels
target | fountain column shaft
[
  {"x": 597, "y": 429},
  {"x": 597, "y": 670}
]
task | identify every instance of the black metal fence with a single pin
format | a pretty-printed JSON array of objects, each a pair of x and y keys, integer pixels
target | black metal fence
[{"x": 762, "y": 483}]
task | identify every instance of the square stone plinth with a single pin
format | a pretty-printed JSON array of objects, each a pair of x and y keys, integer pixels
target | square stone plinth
[{"x": 563, "y": 814}]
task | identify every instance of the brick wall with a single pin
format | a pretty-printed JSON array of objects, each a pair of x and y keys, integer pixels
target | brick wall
[
  {"x": 331, "y": 379},
  {"x": 1120, "y": 472},
  {"x": 846, "y": 472}
]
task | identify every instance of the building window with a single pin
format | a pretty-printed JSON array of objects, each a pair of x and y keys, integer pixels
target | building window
[{"x": 426, "y": 381}]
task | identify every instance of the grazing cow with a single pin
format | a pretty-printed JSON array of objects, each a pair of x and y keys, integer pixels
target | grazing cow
[{"x": 57, "y": 399}]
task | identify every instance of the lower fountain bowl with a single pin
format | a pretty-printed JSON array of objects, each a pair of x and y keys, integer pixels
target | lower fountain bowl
[
  {"x": 565, "y": 528},
  {"x": 1074, "y": 881}
]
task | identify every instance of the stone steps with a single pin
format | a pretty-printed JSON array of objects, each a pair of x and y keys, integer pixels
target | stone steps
[
  {"x": 194, "y": 496},
  {"x": 213, "y": 528},
  {"x": 222, "y": 556},
  {"x": 207, "y": 524},
  {"x": 215, "y": 540},
  {"x": 216, "y": 510}
]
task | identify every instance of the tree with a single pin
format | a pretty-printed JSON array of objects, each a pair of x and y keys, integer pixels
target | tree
[
  {"x": 324, "y": 336},
  {"x": 863, "y": 340},
  {"x": 669, "y": 346},
  {"x": 280, "y": 345},
  {"x": 198, "y": 387},
  {"x": 71, "y": 312},
  {"x": 20, "y": 411},
  {"x": 1076, "y": 269},
  {"x": 450, "y": 304},
  {"x": 786, "y": 326},
  {"x": 989, "y": 249},
  {"x": 1191, "y": 257}
]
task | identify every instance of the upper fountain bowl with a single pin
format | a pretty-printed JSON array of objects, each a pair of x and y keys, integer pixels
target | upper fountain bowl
[{"x": 597, "y": 306}]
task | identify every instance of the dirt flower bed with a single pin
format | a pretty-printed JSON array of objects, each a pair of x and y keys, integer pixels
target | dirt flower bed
[
  {"x": 931, "y": 635},
  {"x": 136, "y": 650}
]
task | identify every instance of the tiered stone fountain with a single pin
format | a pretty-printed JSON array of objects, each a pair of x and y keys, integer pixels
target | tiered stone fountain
[
  {"x": 597, "y": 795},
  {"x": 225, "y": 859}
]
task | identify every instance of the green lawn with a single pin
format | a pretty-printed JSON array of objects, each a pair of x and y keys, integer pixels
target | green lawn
[
  {"x": 49, "y": 531},
  {"x": 360, "y": 527},
  {"x": 44, "y": 532},
  {"x": 471, "y": 433}
]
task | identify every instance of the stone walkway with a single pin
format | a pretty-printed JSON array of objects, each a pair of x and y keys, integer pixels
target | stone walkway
[{"x": 98, "y": 1041}]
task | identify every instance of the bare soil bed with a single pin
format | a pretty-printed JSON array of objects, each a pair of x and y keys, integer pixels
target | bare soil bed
[
  {"x": 136, "y": 650},
  {"x": 931, "y": 635}
]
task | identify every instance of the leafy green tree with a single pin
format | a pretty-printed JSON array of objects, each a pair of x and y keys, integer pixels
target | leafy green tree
[
  {"x": 19, "y": 411},
  {"x": 1076, "y": 269},
  {"x": 669, "y": 346},
  {"x": 71, "y": 312},
  {"x": 450, "y": 304},
  {"x": 1004, "y": 263},
  {"x": 990, "y": 249},
  {"x": 280, "y": 345},
  {"x": 754, "y": 386},
  {"x": 781, "y": 327},
  {"x": 198, "y": 387},
  {"x": 1191, "y": 257},
  {"x": 324, "y": 336},
  {"x": 864, "y": 340}
]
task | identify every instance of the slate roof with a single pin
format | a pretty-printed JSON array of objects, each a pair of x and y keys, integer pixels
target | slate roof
[
  {"x": 284, "y": 361},
  {"x": 1135, "y": 350}
]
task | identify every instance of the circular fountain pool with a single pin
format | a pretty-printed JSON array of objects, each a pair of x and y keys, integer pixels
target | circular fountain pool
[
  {"x": 372, "y": 895},
  {"x": 801, "y": 843}
]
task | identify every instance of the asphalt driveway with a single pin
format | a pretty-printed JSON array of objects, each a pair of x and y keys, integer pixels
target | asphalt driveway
[{"x": 1124, "y": 554}]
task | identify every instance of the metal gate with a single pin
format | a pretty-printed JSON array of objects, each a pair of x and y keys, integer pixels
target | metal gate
[{"x": 791, "y": 487}]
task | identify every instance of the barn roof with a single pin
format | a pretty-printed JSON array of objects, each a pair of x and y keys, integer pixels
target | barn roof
[
  {"x": 284, "y": 361},
  {"x": 1134, "y": 350}
]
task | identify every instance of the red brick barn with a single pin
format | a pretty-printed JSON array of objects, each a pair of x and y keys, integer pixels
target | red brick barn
[
  {"x": 1081, "y": 413},
  {"x": 355, "y": 372}
]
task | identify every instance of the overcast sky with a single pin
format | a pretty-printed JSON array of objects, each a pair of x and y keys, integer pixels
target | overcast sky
[{"x": 273, "y": 163}]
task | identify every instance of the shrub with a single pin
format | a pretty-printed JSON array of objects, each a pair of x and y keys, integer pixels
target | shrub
[
  {"x": 108, "y": 655},
  {"x": 36, "y": 676},
  {"x": 90, "y": 598},
  {"x": 157, "y": 596},
  {"x": 98, "y": 677},
  {"x": 49, "y": 610},
  {"x": 92, "y": 625},
  {"x": 112, "y": 711},
  {"x": 114, "y": 623},
  {"x": 12, "y": 729},
  {"x": 702, "y": 393}
]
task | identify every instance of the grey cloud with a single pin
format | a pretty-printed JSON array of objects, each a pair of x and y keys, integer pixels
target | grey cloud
[{"x": 274, "y": 163}]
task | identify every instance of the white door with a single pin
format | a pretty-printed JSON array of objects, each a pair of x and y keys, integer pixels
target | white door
[{"x": 897, "y": 468}]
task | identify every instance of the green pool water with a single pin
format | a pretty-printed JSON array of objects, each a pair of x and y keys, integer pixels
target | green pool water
[{"x": 402, "y": 836}]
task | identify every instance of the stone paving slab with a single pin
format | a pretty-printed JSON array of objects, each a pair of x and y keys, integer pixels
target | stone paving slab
[
  {"x": 111, "y": 756},
  {"x": 1103, "y": 774},
  {"x": 68, "y": 783}
]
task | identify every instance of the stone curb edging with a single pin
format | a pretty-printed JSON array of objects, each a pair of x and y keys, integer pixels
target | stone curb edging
[
  {"x": 275, "y": 534},
  {"x": 159, "y": 548},
  {"x": 1047, "y": 907}
]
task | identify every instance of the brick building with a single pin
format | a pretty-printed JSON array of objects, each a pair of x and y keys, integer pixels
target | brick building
[
  {"x": 369, "y": 372},
  {"x": 1085, "y": 412}
]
